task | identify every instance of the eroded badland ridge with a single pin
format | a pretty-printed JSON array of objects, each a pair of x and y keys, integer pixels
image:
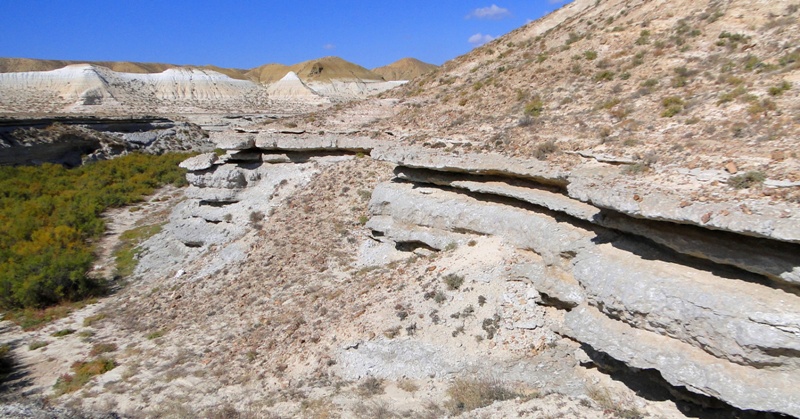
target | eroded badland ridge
[{"x": 596, "y": 215}]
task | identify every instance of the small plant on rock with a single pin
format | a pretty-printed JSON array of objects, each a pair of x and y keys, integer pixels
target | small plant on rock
[
  {"x": 470, "y": 394},
  {"x": 747, "y": 180},
  {"x": 535, "y": 107},
  {"x": 545, "y": 149},
  {"x": 453, "y": 281},
  {"x": 371, "y": 386}
]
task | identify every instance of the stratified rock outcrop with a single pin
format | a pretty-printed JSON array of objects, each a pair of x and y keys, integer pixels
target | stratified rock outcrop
[
  {"x": 72, "y": 141},
  {"x": 231, "y": 192},
  {"x": 713, "y": 307}
]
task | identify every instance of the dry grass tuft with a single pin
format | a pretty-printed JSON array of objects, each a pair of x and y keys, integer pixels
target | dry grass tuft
[{"x": 470, "y": 394}]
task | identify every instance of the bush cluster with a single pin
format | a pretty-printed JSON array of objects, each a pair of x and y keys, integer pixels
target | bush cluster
[{"x": 49, "y": 215}]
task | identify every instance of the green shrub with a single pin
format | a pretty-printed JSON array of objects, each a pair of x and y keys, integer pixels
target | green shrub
[
  {"x": 644, "y": 38},
  {"x": 673, "y": 105},
  {"x": 605, "y": 75},
  {"x": 453, "y": 281},
  {"x": 155, "y": 335},
  {"x": 37, "y": 344},
  {"x": 590, "y": 55},
  {"x": 730, "y": 96},
  {"x": 63, "y": 332},
  {"x": 535, "y": 107},
  {"x": 778, "y": 90},
  {"x": 573, "y": 38},
  {"x": 50, "y": 214},
  {"x": 747, "y": 180}
]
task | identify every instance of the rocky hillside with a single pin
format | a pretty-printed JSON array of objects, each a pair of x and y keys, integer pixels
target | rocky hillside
[
  {"x": 707, "y": 86},
  {"x": 404, "y": 69}
]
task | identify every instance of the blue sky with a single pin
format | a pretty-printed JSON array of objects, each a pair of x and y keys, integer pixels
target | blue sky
[{"x": 249, "y": 33}]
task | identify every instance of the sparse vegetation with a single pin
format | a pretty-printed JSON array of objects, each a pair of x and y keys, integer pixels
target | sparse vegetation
[
  {"x": 534, "y": 107},
  {"x": 31, "y": 318},
  {"x": 545, "y": 149},
  {"x": 63, "y": 332},
  {"x": 101, "y": 348},
  {"x": 37, "y": 344},
  {"x": 407, "y": 385},
  {"x": 155, "y": 335},
  {"x": 644, "y": 38},
  {"x": 82, "y": 373},
  {"x": 778, "y": 90},
  {"x": 439, "y": 297},
  {"x": 91, "y": 320},
  {"x": 673, "y": 105},
  {"x": 730, "y": 96},
  {"x": 607, "y": 403},
  {"x": 371, "y": 386},
  {"x": 732, "y": 40},
  {"x": 490, "y": 326},
  {"x": 470, "y": 394},
  {"x": 605, "y": 75},
  {"x": 126, "y": 254},
  {"x": 453, "y": 281}
]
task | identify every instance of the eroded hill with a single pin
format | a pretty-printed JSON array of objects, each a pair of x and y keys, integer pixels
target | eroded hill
[{"x": 564, "y": 222}]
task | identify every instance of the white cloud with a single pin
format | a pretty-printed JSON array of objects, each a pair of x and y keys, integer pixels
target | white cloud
[
  {"x": 492, "y": 12},
  {"x": 479, "y": 39},
  {"x": 329, "y": 46}
]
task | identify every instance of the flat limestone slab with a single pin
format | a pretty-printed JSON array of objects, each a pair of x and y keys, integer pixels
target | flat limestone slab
[{"x": 683, "y": 365}]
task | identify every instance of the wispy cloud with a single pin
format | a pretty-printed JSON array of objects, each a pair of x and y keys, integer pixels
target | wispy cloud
[
  {"x": 493, "y": 12},
  {"x": 479, "y": 39},
  {"x": 329, "y": 46}
]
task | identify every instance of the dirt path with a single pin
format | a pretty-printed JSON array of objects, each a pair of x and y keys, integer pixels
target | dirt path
[{"x": 155, "y": 208}]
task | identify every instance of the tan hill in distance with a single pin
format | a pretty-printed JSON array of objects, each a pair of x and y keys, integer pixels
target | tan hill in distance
[
  {"x": 404, "y": 69},
  {"x": 17, "y": 65},
  {"x": 321, "y": 70}
]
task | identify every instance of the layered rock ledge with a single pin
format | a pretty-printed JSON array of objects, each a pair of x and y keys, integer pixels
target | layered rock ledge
[{"x": 713, "y": 307}]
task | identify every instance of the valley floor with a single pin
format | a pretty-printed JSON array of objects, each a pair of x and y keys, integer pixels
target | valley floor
[{"x": 319, "y": 320}]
